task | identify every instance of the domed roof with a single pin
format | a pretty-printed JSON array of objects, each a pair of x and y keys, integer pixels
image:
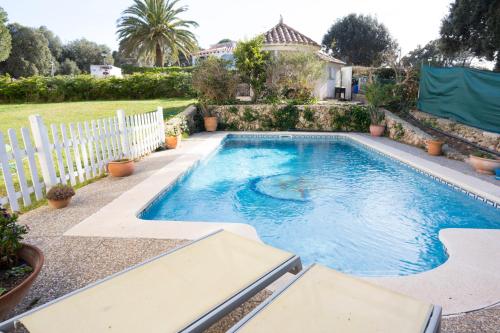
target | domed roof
[{"x": 283, "y": 34}]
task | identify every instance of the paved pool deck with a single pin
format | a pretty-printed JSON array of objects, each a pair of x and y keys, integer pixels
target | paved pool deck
[{"x": 74, "y": 261}]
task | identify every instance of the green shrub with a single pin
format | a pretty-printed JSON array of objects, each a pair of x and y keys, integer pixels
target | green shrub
[
  {"x": 355, "y": 119},
  {"x": 249, "y": 115},
  {"x": 286, "y": 118},
  {"x": 11, "y": 235},
  {"x": 308, "y": 114},
  {"x": 129, "y": 69},
  {"x": 85, "y": 87},
  {"x": 214, "y": 81}
]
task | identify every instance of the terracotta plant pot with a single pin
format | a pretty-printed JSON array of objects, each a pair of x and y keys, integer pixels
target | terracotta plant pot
[
  {"x": 58, "y": 204},
  {"x": 484, "y": 165},
  {"x": 377, "y": 130},
  {"x": 171, "y": 142},
  {"x": 435, "y": 147},
  {"x": 121, "y": 168},
  {"x": 210, "y": 124},
  {"x": 34, "y": 257}
]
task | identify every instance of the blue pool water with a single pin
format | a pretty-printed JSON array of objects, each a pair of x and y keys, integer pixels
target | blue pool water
[{"x": 333, "y": 202}]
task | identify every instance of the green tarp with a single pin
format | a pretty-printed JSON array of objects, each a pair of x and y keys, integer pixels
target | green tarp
[{"x": 468, "y": 96}]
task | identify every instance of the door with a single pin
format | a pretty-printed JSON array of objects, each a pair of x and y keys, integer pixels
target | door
[{"x": 347, "y": 81}]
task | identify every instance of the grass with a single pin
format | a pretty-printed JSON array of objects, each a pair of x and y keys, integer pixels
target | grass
[{"x": 16, "y": 115}]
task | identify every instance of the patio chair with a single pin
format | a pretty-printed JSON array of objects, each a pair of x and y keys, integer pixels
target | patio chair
[
  {"x": 322, "y": 300},
  {"x": 185, "y": 290}
]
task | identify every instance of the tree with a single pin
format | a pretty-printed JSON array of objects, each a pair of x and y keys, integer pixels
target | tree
[
  {"x": 68, "y": 67},
  {"x": 55, "y": 44},
  {"x": 214, "y": 81},
  {"x": 358, "y": 39},
  {"x": 433, "y": 54},
  {"x": 153, "y": 28},
  {"x": 5, "y": 38},
  {"x": 30, "y": 53},
  {"x": 294, "y": 74},
  {"x": 86, "y": 53},
  {"x": 473, "y": 25},
  {"x": 252, "y": 62}
]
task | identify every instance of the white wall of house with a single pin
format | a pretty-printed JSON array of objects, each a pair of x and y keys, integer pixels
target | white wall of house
[{"x": 325, "y": 88}]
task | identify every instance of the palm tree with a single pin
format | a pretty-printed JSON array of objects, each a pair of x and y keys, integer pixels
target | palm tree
[{"x": 151, "y": 28}]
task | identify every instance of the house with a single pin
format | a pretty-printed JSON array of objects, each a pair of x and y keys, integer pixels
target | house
[
  {"x": 283, "y": 38},
  {"x": 220, "y": 50},
  {"x": 105, "y": 71}
]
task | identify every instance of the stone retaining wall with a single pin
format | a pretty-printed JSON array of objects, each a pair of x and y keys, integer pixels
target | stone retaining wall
[
  {"x": 400, "y": 130},
  {"x": 263, "y": 117},
  {"x": 482, "y": 138}
]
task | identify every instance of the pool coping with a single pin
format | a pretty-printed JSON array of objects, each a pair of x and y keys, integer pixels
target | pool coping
[{"x": 473, "y": 284}]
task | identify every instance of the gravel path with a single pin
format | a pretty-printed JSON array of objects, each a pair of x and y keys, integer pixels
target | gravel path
[{"x": 73, "y": 262}]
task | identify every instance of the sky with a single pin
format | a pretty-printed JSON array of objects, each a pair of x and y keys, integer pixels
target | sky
[{"x": 410, "y": 22}]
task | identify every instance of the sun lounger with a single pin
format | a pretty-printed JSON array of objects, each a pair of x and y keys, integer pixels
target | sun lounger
[
  {"x": 322, "y": 300},
  {"x": 187, "y": 290}
]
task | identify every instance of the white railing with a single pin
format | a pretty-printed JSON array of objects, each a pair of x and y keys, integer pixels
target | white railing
[{"x": 74, "y": 153}]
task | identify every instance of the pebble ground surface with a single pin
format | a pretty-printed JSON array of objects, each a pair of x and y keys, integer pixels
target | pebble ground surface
[{"x": 74, "y": 262}]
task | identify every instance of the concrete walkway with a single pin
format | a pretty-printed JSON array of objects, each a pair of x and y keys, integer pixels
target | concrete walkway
[{"x": 73, "y": 262}]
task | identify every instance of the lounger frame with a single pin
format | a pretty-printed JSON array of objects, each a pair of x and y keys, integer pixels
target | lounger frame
[
  {"x": 433, "y": 324},
  {"x": 292, "y": 265}
]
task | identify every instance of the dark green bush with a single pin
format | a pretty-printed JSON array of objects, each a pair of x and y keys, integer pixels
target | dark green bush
[
  {"x": 85, "y": 87},
  {"x": 286, "y": 118},
  {"x": 356, "y": 119},
  {"x": 11, "y": 235},
  {"x": 129, "y": 69}
]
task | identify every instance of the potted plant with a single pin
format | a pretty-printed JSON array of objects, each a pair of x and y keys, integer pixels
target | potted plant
[
  {"x": 19, "y": 263},
  {"x": 435, "y": 147},
  {"x": 60, "y": 195},
  {"x": 174, "y": 130},
  {"x": 121, "y": 168},
  {"x": 484, "y": 162},
  {"x": 210, "y": 121},
  {"x": 377, "y": 118}
]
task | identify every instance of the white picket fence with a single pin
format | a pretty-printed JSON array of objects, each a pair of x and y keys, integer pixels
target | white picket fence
[{"x": 72, "y": 153}]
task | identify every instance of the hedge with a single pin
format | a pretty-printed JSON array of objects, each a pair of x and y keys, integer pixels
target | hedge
[
  {"x": 129, "y": 69},
  {"x": 38, "y": 89}
]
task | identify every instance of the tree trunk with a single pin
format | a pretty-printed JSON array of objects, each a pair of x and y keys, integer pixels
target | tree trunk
[{"x": 159, "y": 56}]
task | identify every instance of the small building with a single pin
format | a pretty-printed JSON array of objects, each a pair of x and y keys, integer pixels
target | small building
[
  {"x": 105, "y": 71},
  {"x": 220, "y": 50},
  {"x": 338, "y": 76}
]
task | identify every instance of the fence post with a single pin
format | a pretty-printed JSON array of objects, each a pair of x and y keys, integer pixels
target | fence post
[
  {"x": 161, "y": 124},
  {"x": 42, "y": 145},
  {"x": 122, "y": 125}
]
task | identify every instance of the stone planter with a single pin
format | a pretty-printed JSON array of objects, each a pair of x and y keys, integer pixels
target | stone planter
[
  {"x": 171, "y": 142},
  {"x": 121, "y": 168},
  {"x": 33, "y": 257},
  {"x": 435, "y": 147},
  {"x": 58, "y": 204},
  {"x": 484, "y": 165},
  {"x": 210, "y": 124},
  {"x": 377, "y": 130}
]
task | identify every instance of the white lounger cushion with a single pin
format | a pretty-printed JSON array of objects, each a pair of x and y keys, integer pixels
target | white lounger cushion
[
  {"x": 323, "y": 300},
  {"x": 166, "y": 294}
]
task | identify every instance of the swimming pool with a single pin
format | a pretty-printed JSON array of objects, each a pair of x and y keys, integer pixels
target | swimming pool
[{"x": 330, "y": 200}]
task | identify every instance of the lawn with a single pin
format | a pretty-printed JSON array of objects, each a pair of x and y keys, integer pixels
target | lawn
[{"x": 16, "y": 115}]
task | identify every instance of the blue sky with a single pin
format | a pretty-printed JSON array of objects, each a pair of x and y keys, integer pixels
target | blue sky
[{"x": 410, "y": 22}]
